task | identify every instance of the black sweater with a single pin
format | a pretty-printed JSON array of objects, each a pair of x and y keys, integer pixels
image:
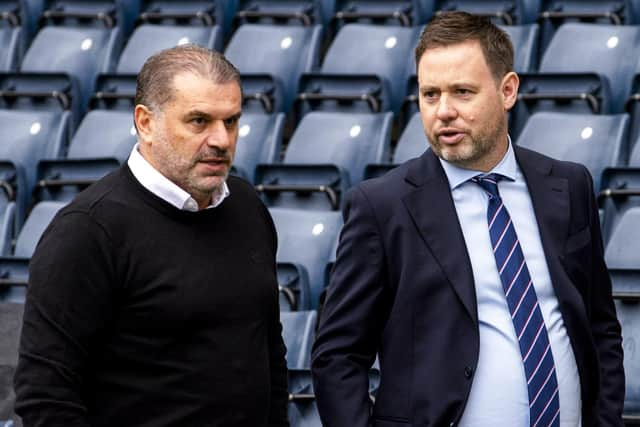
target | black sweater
[{"x": 141, "y": 314}]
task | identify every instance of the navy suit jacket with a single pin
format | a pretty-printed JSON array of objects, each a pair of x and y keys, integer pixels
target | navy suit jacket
[{"x": 402, "y": 287}]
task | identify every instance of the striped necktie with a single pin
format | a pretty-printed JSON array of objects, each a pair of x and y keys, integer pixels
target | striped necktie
[{"x": 540, "y": 372}]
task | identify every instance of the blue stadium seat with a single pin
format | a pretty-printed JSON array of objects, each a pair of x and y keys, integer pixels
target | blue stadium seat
[
  {"x": 412, "y": 143},
  {"x": 80, "y": 53},
  {"x": 271, "y": 60},
  {"x": 11, "y": 42},
  {"x": 189, "y": 12},
  {"x": 14, "y": 270},
  {"x": 516, "y": 12},
  {"x": 298, "y": 330},
  {"x": 619, "y": 194},
  {"x": 525, "y": 46},
  {"x": 624, "y": 266},
  {"x": 279, "y": 12},
  {"x": 364, "y": 70},
  {"x": 21, "y": 13},
  {"x": 326, "y": 155},
  {"x": 10, "y": 327},
  {"x": 595, "y": 141},
  {"x": 399, "y": 12},
  {"x": 95, "y": 13},
  {"x": 557, "y": 12},
  {"x": 151, "y": 38},
  {"x": 259, "y": 141},
  {"x": 586, "y": 68},
  {"x": 28, "y": 138},
  {"x": 307, "y": 238},
  {"x": 101, "y": 144}
]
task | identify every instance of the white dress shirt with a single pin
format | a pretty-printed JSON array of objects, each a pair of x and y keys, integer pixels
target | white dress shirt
[
  {"x": 161, "y": 186},
  {"x": 499, "y": 396}
]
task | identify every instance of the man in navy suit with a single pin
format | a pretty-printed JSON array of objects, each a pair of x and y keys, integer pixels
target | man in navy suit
[{"x": 475, "y": 272}]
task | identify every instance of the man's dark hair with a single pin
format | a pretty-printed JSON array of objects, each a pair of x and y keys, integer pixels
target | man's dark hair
[
  {"x": 154, "y": 85},
  {"x": 450, "y": 28}
]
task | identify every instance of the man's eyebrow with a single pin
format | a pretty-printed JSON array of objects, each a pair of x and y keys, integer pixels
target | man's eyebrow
[{"x": 198, "y": 113}]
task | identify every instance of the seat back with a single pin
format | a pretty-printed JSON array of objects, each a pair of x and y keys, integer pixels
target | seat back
[
  {"x": 10, "y": 42},
  {"x": 525, "y": 46},
  {"x": 28, "y": 137},
  {"x": 360, "y": 49},
  {"x": 298, "y": 329},
  {"x": 516, "y": 12},
  {"x": 413, "y": 141},
  {"x": 594, "y": 141},
  {"x": 104, "y": 134},
  {"x": 259, "y": 141},
  {"x": 149, "y": 39},
  {"x": 349, "y": 141},
  {"x": 608, "y": 50},
  {"x": 81, "y": 53},
  {"x": 307, "y": 238},
  {"x": 38, "y": 220},
  {"x": 283, "y": 52}
]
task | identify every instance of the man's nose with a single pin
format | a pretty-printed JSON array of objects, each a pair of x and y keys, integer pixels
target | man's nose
[
  {"x": 218, "y": 135},
  {"x": 446, "y": 110}
]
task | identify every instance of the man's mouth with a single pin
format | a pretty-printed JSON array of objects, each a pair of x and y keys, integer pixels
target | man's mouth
[{"x": 450, "y": 135}]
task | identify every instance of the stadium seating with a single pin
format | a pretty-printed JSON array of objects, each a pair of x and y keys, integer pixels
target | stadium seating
[
  {"x": 557, "y": 12},
  {"x": 326, "y": 155},
  {"x": 192, "y": 12},
  {"x": 306, "y": 238},
  {"x": 80, "y": 53},
  {"x": 34, "y": 135},
  {"x": 585, "y": 68},
  {"x": 293, "y": 12},
  {"x": 95, "y": 13},
  {"x": 150, "y": 38},
  {"x": 515, "y": 12},
  {"x": 101, "y": 144},
  {"x": 298, "y": 332},
  {"x": 364, "y": 70},
  {"x": 595, "y": 141},
  {"x": 10, "y": 327},
  {"x": 398, "y": 12},
  {"x": 259, "y": 141},
  {"x": 14, "y": 271},
  {"x": 11, "y": 42},
  {"x": 271, "y": 60},
  {"x": 412, "y": 143},
  {"x": 624, "y": 267}
]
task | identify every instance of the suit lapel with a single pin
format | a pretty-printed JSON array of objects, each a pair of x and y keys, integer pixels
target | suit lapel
[{"x": 433, "y": 212}]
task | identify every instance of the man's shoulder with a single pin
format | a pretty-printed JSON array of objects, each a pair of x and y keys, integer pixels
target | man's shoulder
[{"x": 561, "y": 168}]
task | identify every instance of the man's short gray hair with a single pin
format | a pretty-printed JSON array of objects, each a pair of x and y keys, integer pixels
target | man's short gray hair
[{"x": 154, "y": 85}]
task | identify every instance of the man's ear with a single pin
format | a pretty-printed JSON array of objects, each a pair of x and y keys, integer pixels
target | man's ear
[
  {"x": 509, "y": 89},
  {"x": 144, "y": 121}
]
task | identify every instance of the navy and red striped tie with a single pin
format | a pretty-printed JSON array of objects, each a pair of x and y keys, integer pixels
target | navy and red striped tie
[{"x": 540, "y": 372}]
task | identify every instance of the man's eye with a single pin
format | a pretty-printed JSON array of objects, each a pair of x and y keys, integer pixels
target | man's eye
[
  {"x": 464, "y": 91},
  {"x": 231, "y": 121},
  {"x": 198, "y": 121}
]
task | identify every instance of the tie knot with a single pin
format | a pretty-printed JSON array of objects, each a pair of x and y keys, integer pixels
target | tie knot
[{"x": 489, "y": 183}]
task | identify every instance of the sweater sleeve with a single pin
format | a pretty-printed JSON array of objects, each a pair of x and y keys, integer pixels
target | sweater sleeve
[{"x": 69, "y": 299}]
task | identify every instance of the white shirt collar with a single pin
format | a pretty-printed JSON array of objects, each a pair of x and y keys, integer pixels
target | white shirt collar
[
  {"x": 161, "y": 186},
  {"x": 506, "y": 167}
]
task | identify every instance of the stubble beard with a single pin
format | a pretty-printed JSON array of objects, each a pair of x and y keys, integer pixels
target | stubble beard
[
  {"x": 182, "y": 171},
  {"x": 469, "y": 152}
]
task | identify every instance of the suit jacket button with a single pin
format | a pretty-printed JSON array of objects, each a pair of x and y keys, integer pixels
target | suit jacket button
[{"x": 468, "y": 372}]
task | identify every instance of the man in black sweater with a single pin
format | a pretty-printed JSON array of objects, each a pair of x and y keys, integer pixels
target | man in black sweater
[{"x": 152, "y": 297}]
